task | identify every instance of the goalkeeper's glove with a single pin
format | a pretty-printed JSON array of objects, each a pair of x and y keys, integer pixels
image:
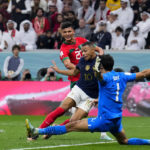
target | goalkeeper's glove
[{"x": 97, "y": 64}]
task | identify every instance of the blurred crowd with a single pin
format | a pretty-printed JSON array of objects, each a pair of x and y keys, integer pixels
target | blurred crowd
[{"x": 111, "y": 24}]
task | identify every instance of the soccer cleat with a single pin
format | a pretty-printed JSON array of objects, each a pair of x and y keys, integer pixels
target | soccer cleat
[
  {"x": 97, "y": 64},
  {"x": 31, "y": 131},
  {"x": 106, "y": 137}
]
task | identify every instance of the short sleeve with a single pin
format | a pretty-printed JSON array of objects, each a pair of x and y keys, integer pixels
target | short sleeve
[
  {"x": 64, "y": 54},
  {"x": 129, "y": 76}
]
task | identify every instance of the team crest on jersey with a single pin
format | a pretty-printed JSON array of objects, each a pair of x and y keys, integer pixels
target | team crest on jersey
[{"x": 87, "y": 67}]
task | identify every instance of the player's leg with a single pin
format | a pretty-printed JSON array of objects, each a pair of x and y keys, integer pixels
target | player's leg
[
  {"x": 122, "y": 139},
  {"x": 59, "y": 111},
  {"x": 80, "y": 125},
  {"x": 72, "y": 99}
]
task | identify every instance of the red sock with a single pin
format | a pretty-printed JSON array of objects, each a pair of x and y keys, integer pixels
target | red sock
[
  {"x": 65, "y": 122},
  {"x": 51, "y": 117}
]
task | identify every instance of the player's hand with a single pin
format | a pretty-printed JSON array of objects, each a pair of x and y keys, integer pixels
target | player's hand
[
  {"x": 97, "y": 64},
  {"x": 95, "y": 102},
  {"x": 54, "y": 66}
]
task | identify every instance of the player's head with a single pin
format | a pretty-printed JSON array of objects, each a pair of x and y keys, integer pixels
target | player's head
[
  {"x": 88, "y": 50},
  {"x": 15, "y": 50},
  {"x": 67, "y": 31},
  {"x": 107, "y": 62}
]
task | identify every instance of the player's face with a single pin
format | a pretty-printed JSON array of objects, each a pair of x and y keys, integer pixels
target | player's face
[
  {"x": 88, "y": 52},
  {"x": 68, "y": 34}
]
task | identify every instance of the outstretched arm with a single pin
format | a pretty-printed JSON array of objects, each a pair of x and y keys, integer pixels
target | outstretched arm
[
  {"x": 72, "y": 72},
  {"x": 143, "y": 74}
]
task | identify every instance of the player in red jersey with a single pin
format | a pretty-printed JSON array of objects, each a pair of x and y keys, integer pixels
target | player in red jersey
[
  {"x": 70, "y": 51},
  {"x": 70, "y": 54}
]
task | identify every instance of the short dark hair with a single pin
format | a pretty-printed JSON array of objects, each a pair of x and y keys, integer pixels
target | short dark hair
[
  {"x": 41, "y": 10},
  {"x": 134, "y": 69},
  {"x": 118, "y": 70},
  {"x": 16, "y": 47},
  {"x": 107, "y": 61},
  {"x": 66, "y": 24},
  {"x": 91, "y": 44},
  {"x": 119, "y": 29}
]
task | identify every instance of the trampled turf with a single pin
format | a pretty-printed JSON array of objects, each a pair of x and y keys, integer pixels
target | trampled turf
[{"x": 13, "y": 136}]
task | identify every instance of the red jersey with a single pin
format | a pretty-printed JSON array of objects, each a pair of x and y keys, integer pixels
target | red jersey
[{"x": 72, "y": 52}]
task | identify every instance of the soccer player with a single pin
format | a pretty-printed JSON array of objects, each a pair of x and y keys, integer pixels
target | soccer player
[
  {"x": 70, "y": 54},
  {"x": 84, "y": 92},
  {"x": 111, "y": 87}
]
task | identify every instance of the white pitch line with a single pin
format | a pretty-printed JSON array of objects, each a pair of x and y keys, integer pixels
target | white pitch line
[{"x": 45, "y": 147}]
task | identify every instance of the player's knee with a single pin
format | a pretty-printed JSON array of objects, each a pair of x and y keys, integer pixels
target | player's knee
[
  {"x": 123, "y": 141},
  {"x": 71, "y": 126}
]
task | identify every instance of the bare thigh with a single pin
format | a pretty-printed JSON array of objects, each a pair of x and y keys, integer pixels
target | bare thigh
[
  {"x": 67, "y": 103},
  {"x": 78, "y": 115}
]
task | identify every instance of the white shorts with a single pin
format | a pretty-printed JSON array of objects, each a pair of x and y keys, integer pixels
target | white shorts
[{"x": 81, "y": 99}]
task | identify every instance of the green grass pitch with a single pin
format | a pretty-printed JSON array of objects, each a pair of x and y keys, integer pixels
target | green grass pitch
[{"x": 13, "y": 135}]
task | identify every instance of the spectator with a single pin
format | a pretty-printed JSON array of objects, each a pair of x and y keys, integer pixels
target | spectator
[
  {"x": 85, "y": 12},
  {"x": 3, "y": 10},
  {"x": 47, "y": 42},
  {"x": 35, "y": 5},
  {"x": 59, "y": 5},
  {"x": 27, "y": 36},
  {"x": 144, "y": 25},
  {"x": 72, "y": 18},
  {"x": 10, "y": 37},
  {"x": 113, "y": 4},
  {"x": 83, "y": 30},
  {"x": 2, "y": 23},
  {"x": 125, "y": 15},
  {"x": 59, "y": 19},
  {"x": 101, "y": 12},
  {"x": 135, "y": 40},
  {"x": 112, "y": 22},
  {"x": 20, "y": 10},
  {"x": 102, "y": 37},
  {"x": 135, "y": 6},
  {"x": 13, "y": 65},
  {"x": 52, "y": 14},
  {"x": 51, "y": 76},
  {"x": 144, "y": 5},
  {"x": 40, "y": 23},
  {"x": 26, "y": 75},
  {"x": 118, "y": 41},
  {"x": 74, "y": 5},
  {"x": 135, "y": 69}
]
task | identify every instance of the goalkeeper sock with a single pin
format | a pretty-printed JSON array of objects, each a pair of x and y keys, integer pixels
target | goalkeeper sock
[
  {"x": 51, "y": 117},
  {"x": 137, "y": 141},
  {"x": 53, "y": 130},
  {"x": 65, "y": 122}
]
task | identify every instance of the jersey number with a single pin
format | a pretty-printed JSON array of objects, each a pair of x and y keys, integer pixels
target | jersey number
[
  {"x": 117, "y": 92},
  {"x": 78, "y": 54}
]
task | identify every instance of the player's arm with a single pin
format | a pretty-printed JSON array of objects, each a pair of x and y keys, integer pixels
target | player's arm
[
  {"x": 99, "y": 50},
  {"x": 71, "y": 72},
  {"x": 143, "y": 74},
  {"x": 68, "y": 64}
]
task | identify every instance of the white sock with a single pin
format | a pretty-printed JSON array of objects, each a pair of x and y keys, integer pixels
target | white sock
[{"x": 103, "y": 134}]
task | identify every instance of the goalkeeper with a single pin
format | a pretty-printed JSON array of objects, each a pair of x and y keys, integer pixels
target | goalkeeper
[{"x": 111, "y": 87}]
